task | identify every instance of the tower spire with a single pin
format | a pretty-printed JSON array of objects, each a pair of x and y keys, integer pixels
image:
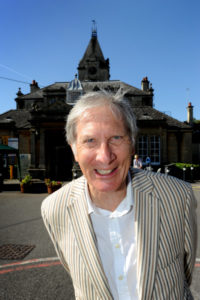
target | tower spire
[
  {"x": 93, "y": 66},
  {"x": 94, "y": 28}
]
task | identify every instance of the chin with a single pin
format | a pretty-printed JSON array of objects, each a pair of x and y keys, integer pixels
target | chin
[{"x": 107, "y": 187}]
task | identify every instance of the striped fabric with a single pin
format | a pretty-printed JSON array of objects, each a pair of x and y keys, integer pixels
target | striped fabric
[{"x": 165, "y": 223}]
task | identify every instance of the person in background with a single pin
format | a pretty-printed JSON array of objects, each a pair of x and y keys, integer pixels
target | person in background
[
  {"x": 121, "y": 233},
  {"x": 137, "y": 163}
]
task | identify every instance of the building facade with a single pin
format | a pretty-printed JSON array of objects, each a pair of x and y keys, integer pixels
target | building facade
[{"x": 38, "y": 121}]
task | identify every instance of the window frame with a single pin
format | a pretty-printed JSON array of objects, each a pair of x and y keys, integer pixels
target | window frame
[{"x": 149, "y": 146}]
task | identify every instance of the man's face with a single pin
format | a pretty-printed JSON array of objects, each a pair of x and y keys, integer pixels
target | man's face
[{"x": 103, "y": 150}]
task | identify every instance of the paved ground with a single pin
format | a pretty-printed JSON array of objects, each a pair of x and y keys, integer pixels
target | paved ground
[{"x": 39, "y": 275}]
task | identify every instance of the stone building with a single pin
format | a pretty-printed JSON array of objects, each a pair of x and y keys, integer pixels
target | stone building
[{"x": 39, "y": 119}]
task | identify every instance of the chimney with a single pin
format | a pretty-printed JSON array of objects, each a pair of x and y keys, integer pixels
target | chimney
[
  {"x": 34, "y": 86},
  {"x": 190, "y": 113},
  {"x": 145, "y": 84}
]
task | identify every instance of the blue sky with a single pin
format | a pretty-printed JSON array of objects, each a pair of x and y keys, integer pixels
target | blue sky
[{"x": 45, "y": 40}]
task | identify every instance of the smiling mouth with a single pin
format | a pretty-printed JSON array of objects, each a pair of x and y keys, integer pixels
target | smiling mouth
[{"x": 105, "y": 172}]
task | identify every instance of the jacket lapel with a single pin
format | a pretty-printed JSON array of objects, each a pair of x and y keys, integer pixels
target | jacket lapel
[
  {"x": 147, "y": 231},
  {"x": 86, "y": 240}
]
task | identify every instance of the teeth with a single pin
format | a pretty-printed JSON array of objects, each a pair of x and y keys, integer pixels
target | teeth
[{"x": 104, "y": 172}]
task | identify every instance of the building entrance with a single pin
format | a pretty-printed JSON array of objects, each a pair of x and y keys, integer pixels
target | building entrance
[{"x": 59, "y": 157}]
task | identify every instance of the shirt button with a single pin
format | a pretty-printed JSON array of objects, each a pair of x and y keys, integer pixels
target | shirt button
[{"x": 121, "y": 277}]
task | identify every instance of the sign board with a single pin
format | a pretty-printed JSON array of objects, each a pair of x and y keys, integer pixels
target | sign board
[{"x": 13, "y": 142}]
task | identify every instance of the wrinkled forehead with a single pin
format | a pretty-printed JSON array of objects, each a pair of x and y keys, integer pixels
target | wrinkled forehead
[{"x": 103, "y": 113}]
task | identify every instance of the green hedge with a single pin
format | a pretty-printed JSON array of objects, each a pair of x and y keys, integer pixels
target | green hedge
[{"x": 184, "y": 165}]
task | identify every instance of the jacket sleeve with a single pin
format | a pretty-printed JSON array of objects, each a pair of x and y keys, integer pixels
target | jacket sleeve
[
  {"x": 48, "y": 218},
  {"x": 190, "y": 235}
]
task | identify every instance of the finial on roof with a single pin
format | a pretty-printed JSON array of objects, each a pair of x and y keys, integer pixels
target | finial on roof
[
  {"x": 94, "y": 28},
  {"x": 19, "y": 93}
]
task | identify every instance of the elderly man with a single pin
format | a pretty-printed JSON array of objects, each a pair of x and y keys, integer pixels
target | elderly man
[{"x": 121, "y": 233}]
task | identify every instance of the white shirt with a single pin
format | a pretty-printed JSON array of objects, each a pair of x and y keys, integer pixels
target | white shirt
[{"x": 117, "y": 245}]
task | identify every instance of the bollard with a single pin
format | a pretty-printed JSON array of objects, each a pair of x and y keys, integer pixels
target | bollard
[
  {"x": 11, "y": 171},
  {"x": 192, "y": 169},
  {"x": 1, "y": 182},
  {"x": 184, "y": 170},
  {"x": 167, "y": 170}
]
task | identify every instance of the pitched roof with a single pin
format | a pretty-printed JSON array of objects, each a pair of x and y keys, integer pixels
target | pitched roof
[
  {"x": 21, "y": 118},
  {"x": 39, "y": 94},
  {"x": 146, "y": 113},
  {"x": 143, "y": 113},
  {"x": 88, "y": 86},
  {"x": 112, "y": 85}
]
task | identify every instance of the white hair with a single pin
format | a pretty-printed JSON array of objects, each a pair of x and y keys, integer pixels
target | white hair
[{"x": 118, "y": 105}]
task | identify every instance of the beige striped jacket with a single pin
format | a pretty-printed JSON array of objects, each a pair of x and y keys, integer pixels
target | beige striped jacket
[{"x": 165, "y": 221}]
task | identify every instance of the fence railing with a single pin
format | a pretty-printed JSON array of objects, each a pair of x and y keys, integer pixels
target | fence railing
[{"x": 187, "y": 173}]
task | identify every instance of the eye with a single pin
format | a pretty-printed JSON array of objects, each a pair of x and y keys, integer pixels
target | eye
[
  {"x": 90, "y": 140},
  {"x": 116, "y": 139}
]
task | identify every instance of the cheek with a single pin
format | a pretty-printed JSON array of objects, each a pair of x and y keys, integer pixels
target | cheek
[
  {"x": 84, "y": 157},
  {"x": 126, "y": 154}
]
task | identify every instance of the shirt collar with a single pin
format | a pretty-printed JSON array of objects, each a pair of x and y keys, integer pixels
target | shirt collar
[{"x": 123, "y": 208}]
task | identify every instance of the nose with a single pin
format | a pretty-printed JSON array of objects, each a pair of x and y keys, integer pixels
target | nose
[{"x": 105, "y": 154}]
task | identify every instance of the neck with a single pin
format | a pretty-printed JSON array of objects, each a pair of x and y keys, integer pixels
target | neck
[{"x": 107, "y": 200}]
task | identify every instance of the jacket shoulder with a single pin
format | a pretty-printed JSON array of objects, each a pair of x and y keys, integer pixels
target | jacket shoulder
[
  {"x": 161, "y": 182},
  {"x": 170, "y": 188},
  {"x": 58, "y": 201},
  {"x": 169, "y": 180}
]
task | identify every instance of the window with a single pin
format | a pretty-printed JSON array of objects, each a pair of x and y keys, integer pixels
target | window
[
  {"x": 142, "y": 146},
  {"x": 149, "y": 146},
  {"x": 52, "y": 100},
  {"x": 155, "y": 149}
]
